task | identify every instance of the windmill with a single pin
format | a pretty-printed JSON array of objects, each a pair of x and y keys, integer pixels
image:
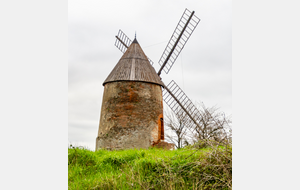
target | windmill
[{"x": 124, "y": 121}]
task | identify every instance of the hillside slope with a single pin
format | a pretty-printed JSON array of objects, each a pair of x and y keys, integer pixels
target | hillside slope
[{"x": 187, "y": 168}]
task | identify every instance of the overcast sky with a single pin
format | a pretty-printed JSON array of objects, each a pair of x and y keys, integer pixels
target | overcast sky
[{"x": 203, "y": 69}]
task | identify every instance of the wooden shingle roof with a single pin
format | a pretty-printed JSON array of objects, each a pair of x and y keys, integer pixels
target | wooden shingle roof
[{"x": 134, "y": 66}]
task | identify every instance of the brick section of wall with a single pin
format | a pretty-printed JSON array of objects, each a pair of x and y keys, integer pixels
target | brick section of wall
[{"x": 130, "y": 115}]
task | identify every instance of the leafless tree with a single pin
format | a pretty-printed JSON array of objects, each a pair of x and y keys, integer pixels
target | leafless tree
[
  {"x": 176, "y": 132},
  {"x": 212, "y": 125}
]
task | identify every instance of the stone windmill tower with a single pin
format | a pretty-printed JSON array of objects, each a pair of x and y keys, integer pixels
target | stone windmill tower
[{"x": 132, "y": 105}]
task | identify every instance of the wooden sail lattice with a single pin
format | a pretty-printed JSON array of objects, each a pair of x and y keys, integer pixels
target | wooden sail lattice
[
  {"x": 181, "y": 34},
  {"x": 181, "y": 105},
  {"x": 123, "y": 42}
]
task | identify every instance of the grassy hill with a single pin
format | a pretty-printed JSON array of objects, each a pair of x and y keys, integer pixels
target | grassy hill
[{"x": 187, "y": 168}]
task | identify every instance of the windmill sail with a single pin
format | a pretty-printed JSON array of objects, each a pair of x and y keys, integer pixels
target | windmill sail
[
  {"x": 182, "y": 33},
  {"x": 181, "y": 105},
  {"x": 123, "y": 42}
]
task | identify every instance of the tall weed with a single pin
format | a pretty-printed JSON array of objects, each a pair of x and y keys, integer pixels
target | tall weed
[{"x": 202, "y": 167}]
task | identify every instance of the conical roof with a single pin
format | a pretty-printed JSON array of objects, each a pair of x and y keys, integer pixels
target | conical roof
[{"x": 134, "y": 66}]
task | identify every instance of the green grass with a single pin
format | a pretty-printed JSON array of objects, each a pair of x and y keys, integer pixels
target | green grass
[{"x": 205, "y": 168}]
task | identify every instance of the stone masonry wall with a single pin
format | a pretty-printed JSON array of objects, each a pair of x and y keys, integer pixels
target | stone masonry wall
[{"x": 130, "y": 115}]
